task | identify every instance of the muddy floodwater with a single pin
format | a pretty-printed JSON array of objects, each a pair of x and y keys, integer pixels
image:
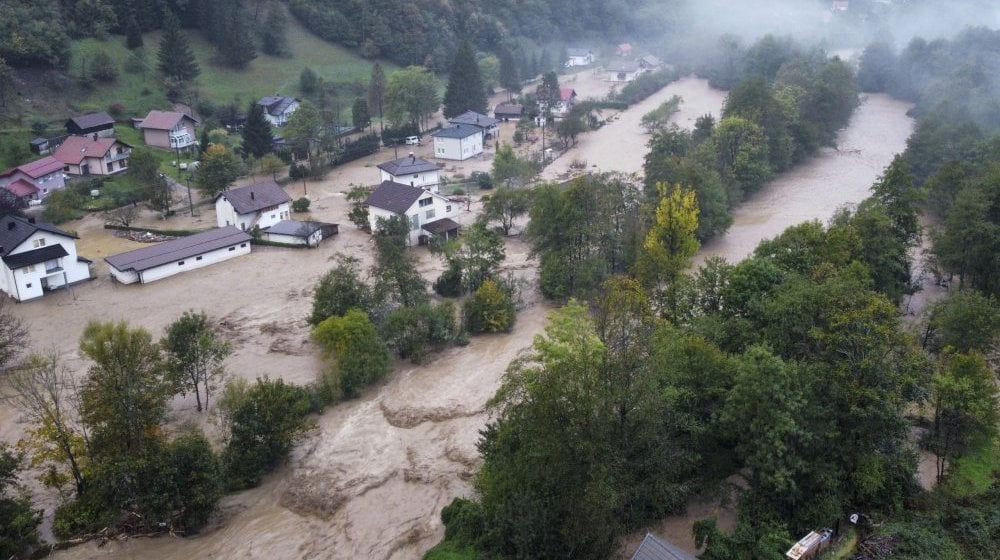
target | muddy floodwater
[{"x": 370, "y": 480}]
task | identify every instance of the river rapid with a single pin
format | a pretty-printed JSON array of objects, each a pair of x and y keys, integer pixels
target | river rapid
[{"x": 370, "y": 480}]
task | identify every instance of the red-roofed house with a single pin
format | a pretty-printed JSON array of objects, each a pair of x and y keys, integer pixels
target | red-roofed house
[
  {"x": 169, "y": 130},
  {"x": 44, "y": 176},
  {"x": 567, "y": 99},
  {"x": 624, "y": 49},
  {"x": 83, "y": 155}
]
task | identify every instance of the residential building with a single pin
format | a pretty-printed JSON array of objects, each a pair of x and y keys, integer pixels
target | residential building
[
  {"x": 278, "y": 109},
  {"x": 260, "y": 205},
  {"x": 169, "y": 130},
  {"x": 90, "y": 124},
  {"x": 411, "y": 170},
  {"x": 178, "y": 255},
  {"x": 85, "y": 155},
  {"x": 623, "y": 71},
  {"x": 567, "y": 100},
  {"x": 624, "y": 49},
  {"x": 427, "y": 213},
  {"x": 37, "y": 257},
  {"x": 458, "y": 142},
  {"x": 653, "y": 548},
  {"x": 508, "y": 111},
  {"x": 576, "y": 56},
  {"x": 649, "y": 63},
  {"x": 34, "y": 180},
  {"x": 293, "y": 232},
  {"x": 487, "y": 124}
]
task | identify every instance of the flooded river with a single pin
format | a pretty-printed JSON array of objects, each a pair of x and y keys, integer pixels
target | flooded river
[{"x": 371, "y": 479}]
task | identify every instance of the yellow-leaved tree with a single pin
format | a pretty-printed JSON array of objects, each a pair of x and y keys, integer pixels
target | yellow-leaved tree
[{"x": 670, "y": 242}]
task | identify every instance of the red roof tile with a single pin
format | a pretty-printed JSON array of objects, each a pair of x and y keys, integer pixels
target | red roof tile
[
  {"x": 163, "y": 120},
  {"x": 21, "y": 188},
  {"x": 75, "y": 148}
]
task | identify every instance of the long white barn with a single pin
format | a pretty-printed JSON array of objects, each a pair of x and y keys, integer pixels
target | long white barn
[{"x": 178, "y": 255}]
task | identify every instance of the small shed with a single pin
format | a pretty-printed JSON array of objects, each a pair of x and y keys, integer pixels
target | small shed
[
  {"x": 293, "y": 232},
  {"x": 99, "y": 123},
  {"x": 508, "y": 111},
  {"x": 653, "y": 548}
]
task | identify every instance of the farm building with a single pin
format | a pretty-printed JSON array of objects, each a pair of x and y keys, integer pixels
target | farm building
[
  {"x": 293, "y": 232},
  {"x": 178, "y": 255}
]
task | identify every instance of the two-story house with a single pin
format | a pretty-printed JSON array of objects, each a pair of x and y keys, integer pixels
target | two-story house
[
  {"x": 576, "y": 56},
  {"x": 169, "y": 130},
  {"x": 459, "y": 142},
  {"x": 412, "y": 171},
  {"x": 428, "y": 214},
  {"x": 260, "y": 205},
  {"x": 37, "y": 257},
  {"x": 34, "y": 180},
  {"x": 86, "y": 155},
  {"x": 278, "y": 108},
  {"x": 623, "y": 71},
  {"x": 488, "y": 125}
]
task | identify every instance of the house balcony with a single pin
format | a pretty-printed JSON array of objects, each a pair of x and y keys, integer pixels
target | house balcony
[
  {"x": 117, "y": 157},
  {"x": 181, "y": 140}
]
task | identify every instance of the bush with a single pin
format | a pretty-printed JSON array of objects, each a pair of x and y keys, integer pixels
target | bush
[
  {"x": 340, "y": 290},
  {"x": 449, "y": 284},
  {"x": 301, "y": 204},
  {"x": 414, "y": 331},
  {"x": 103, "y": 67},
  {"x": 483, "y": 179},
  {"x": 197, "y": 481},
  {"x": 391, "y": 135},
  {"x": 490, "y": 309},
  {"x": 116, "y": 110},
  {"x": 359, "y": 356},
  {"x": 263, "y": 428},
  {"x": 85, "y": 514},
  {"x": 63, "y": 206}
]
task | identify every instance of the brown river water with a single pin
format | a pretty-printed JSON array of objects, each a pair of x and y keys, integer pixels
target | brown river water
[{"x": 370, "y": 480}]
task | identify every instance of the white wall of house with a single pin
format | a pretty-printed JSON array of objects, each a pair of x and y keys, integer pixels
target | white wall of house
[
  {"x": 427, "y": 208},
  {"x": 226, "y": 215},
  {"x": 29, "y": 282},
  {"x": 176, "y": 267},
  {"x": 458, "y": 148},
  {"x": 622, "y": 77},
  {"x": 282, "y": 119},
  {"x": 579, "y": 60},
  {"x": 312, "y": 241},
  {"x": 47, "y": 184},
  {"x": 426, "y": 179}
]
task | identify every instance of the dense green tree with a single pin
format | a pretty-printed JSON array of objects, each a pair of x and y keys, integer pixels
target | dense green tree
[
  {"x": 258, "y": 138},
  {"x": 741, "y": 152},
  {"x": 395, "y": 275},
  {"x": 508, "y": 76},
  {"x": 176, "y": 59},
  {"x": 548, "y": 92},
  {"x": 670, "y": 242},
  {"x": 508, "y": 169},
  {"x": 376, "y": 93},
  {"x": 415, "y": 330},
  {"x": 340, "y": 290},
  {"x": 18, "y": 521},
  {"x": 263, "y": 427},
  {"x": 965, "y": 321},
  {"x": 490, "y": 309},
  {"x": 569, "y": 127},
  {"x": 465, "y": 90},
  {"x": 359, "y": 357},
  {"x": 360, "y": 116},
  {"x": 196, "y": 482},
  {"x": 505, "y": 205},
  {"x": 195, "y": 354},
  {"x": 474, "y": 257},
  {"x": 309, "y": 82},
  {"x": 31, "y": 34},
  {"x": 305, "y": 129},
  {"x": 876, "y": 67},
  {"x": 133, "y": 33},
  {"x": 103, "y": 68},
  {"x": 411, "y": 96},
  {"x": 219, "y": 168},
  {"x": 272, "y": 34}
]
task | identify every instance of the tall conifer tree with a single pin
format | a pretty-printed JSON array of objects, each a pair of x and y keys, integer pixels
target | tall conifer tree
[
  {"x": 465, "y": 86},
  {"x": 257, "y": 136},
  {"x": 176, "y": 60}
]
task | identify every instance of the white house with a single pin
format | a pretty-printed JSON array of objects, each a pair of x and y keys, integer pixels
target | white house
[
  {"x": 412, "y": 171},
  {"x": 458, "y": 142},
  {"x": 427, "y": 213},
  {"x": 259, "y": 205},
  {"x": 35, "y": 180},
  {"x": 576, "y": 56},
  {"x": 623, "y": 71},
  {"x": 278, "y": 108},
  {"x": 178, "y": 255},
  {"x": 293, "y": 232},
  {"x": 567, "y": 100},
  {"x": 485, "y": 123},
  {"x": 37, "y": 257}
]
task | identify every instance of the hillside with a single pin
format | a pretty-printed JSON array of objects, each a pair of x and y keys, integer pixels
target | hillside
[{"x": 52, "y": 96}]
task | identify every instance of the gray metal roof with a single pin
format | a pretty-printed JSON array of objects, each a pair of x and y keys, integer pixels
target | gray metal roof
[
  {"x": 27, "y": 258},
  {"x": 577, "y": 51},
  {"x": 441, "y": 226},
  {"x": 99, "y": 120},
  {"x": 258, "y": 196},
  {"x": 474, "y": 119},
  {"x": 624, "y": 66},
  {"x": 508, "y": 109},
  {"x": 653, "y": 548},
  {"x": 408, "y": 165},
  {"x": 296, "y": 228},
  {"x": 457, "y": 131},
  {"x": 14, "y": 230},
  {"x": 394, "y": 197},
  {"x": 276, "y": 104},
  {"x": 178, "y": 249}
]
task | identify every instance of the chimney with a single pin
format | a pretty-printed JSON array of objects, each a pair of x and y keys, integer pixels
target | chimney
[
  {"x": 252, "y": 197},
  {"x": 11, "y": 225},
  {"x": 31, "y": 220},
  {"x": 95, "y": 137}
]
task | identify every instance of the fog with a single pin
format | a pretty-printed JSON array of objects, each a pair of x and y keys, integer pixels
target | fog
[{"x": 697, "y": 22}]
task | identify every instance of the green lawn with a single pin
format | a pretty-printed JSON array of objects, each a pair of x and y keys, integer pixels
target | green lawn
[{"x": 973, "y": 474}]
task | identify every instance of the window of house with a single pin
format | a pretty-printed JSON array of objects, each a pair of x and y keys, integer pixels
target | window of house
[
  {"x": 415, "y": 221},
  {"x": 425, "y": 202},
  {"x": 181, "y": 263},
  {"x": 29, "y": 269},
  {"x": 243, "y": 244},
  {"x": 447, "y": 208},
  {"x": 27, "y": 285},
  {"x": 111, "y": 166},
  {"x": 38, "y": 243},
  {"x": 430, "y": 214},
  {"x": 198, "y": 258},
  {"x": 232, "y": 248}
]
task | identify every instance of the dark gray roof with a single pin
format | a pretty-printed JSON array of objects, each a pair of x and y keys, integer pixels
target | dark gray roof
[
  {"x": 14, "y": 230},
  {"x": 457, "y": 131},
  {"x": 21, "y": 260},
  {"x": 255, "y": 197},
  {"x": 178, "y": 249},
  {"x": 394, "y": 197},
  {"x": 475, "y": 119},
  {"x": 99, "y": 120},
  {"x": 624, "y": 66},
  {"x": 296, "y": 228},
  {"x": 441, "y": 226},
  {"x": 576, "y": 51},
  {"x": 407, "y": 166},
  {"x": 653, "y": 548},
  {"x": 276, "y": 104},
  {"x": 508, "y": 109}
]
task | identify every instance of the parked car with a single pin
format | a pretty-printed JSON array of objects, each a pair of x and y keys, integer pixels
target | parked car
[{"x": 412, "y": 140}]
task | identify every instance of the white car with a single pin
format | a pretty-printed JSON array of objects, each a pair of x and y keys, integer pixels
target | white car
[{"x": 412, "y": 140}]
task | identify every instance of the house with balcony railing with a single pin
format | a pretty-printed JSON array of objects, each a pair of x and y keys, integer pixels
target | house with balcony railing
[
  {"x": 36, "y": 257},
  {"x": 169, "y": 130},
  {"x": 86, "y": 155}
]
